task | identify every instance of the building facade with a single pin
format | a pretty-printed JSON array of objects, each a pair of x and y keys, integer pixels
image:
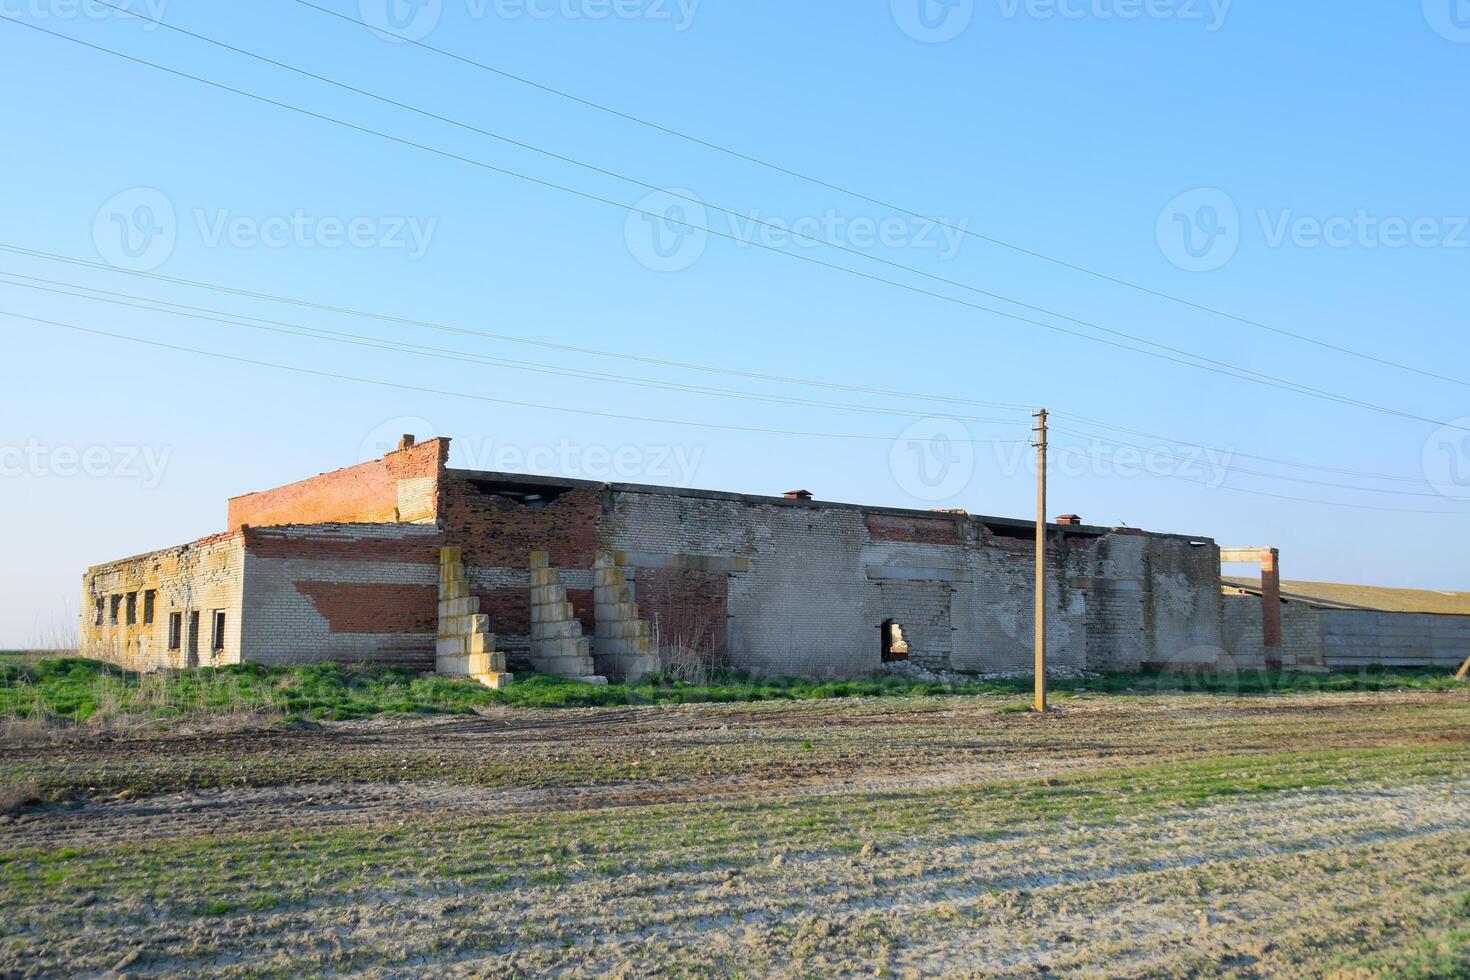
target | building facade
[{"x": 404, "y": 560}]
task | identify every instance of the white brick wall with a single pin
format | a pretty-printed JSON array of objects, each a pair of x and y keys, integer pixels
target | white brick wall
[{"x": 282, "y": 624}]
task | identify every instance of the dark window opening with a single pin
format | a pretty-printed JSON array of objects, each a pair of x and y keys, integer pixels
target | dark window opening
[
  {"x": 217, "y": 632},
  {"x": 895, "y": 647},
  {"x": 527, "y": 494},
  {"x": 1022, "y": 533},
  {"x": 114, "y": 610},
  {"x": 150, "y": 599},
  {"x": 193, "y": 650},
  {"x": 100, "y": 604},
  {"x": 175, "y": 630},
  {"x": 132, "y": 609}
]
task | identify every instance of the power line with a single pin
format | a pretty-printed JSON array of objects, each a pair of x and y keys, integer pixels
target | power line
[
  {"x": 537, "y": 366},
  {"x": 1281, "y": 496},
  {"x": 1238, "y": 373},
  {"x": 970, "y": 287},
  {"x": 1238, "y": 469},
  {"x": 442, "y": 353},
  {"x": 1265, "y": 459},
  {"x": 545, "y": 344},
  {"x": 507, "y": 338},
  {"x": 1304, "y": 338},
  {"x": 358, "y": 340},
  {"x": 464, "y": 394},
  {"x": 634, "y": 418}
]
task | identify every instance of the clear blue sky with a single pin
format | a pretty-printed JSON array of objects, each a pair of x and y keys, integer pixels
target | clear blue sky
[{"x": 1070, "y": 128}]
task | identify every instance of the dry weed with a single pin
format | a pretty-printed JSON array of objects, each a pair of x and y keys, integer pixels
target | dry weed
[
  {"x": 688, "y": 651},
  {"x": 17, "y": 796}
]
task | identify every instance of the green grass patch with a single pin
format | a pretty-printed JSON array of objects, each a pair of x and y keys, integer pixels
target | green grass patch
[
  {"x": 1444, "y": 955},
  {"x": 74, "y": 689},
  {"x": 1258, "y": 682}
]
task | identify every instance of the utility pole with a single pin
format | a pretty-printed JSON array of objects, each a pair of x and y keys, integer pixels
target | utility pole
[{"x": 1040, "y": 444}]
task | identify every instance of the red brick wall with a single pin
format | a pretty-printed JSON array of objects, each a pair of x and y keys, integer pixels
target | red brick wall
[
  {"x": 915, "y": 530},
  {"x": 688, "y": 606},
  {"x": 401, "y": 486},
  {"x": 509, "y": 609},
  {"x": 497, "y": 532},
  {"x": 368, "y": 607},
  {"x": 337, "y": 543}
]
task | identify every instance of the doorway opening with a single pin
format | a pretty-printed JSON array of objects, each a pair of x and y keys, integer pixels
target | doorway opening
[{"x": 894, "y": 646}]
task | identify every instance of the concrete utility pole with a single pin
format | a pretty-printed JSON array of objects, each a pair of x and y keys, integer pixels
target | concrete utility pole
[{"x": 1040, "y": 444}]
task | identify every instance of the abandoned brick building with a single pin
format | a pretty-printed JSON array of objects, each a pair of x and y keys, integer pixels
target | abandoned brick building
[{"x": 405, "y": 560}]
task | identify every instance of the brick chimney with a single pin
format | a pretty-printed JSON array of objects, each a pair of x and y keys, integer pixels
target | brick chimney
[
  {"x": 1069, "y": 519},
  {"x": 798, "y": 495},
  {"x": 406, "y": 442}
]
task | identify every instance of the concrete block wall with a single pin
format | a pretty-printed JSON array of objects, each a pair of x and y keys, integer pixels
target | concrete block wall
[
  {"x": 1360, "y": 638},
  {"x": 622, "y": 643},
  {"x": 202, "y": 577},
  {"x": 465, "y": 647},
  {"x": 558, "y": 647}
]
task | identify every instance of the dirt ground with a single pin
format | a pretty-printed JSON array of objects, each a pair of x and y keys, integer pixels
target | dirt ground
[{"x": 1161, "y": 835}]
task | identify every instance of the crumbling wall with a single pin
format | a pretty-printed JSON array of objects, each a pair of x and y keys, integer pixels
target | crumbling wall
[
  {"x": 807, "y": 586},
  {"x": 796, "y": 598},
  {"x": 998, "y": 629},
  {"x": 497, "y": 521},
  {"x": 1183, "y": 620},
  {"x": 201, "y": 578},
  {"x": 351, "y": 592},
  {"x": 402, "y": 487},
  {"x": 1111, "y": 575},
  {"x": 345, "y": 566}
]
